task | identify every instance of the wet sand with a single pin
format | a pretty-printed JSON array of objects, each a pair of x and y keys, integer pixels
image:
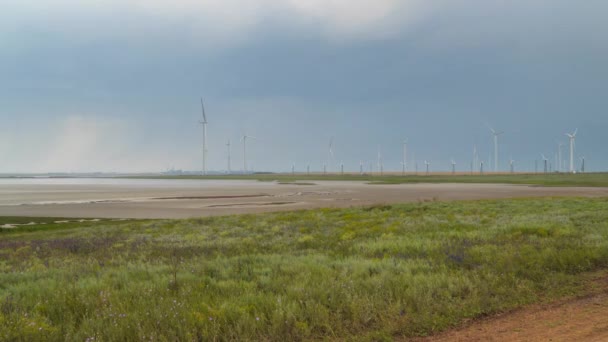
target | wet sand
[{"x": 116, "y": 198}]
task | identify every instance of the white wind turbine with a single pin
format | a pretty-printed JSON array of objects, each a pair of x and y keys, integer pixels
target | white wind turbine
[
  {"x": 512, "y": 165},
  {"x": 229, "y": 156},
  {"x": 572, "y": 138},
  {"x": 453, "y": 166},
  {"x": 560, "y": 163},
  {"x": 380, "y": 165},
  {"x": 330, "y": 153},
  {"x": 204, "y": 123},
  {"x": 475, "y": 156},
  {"x": 427, "y": 167},
  {"x": 545, "y": 161},
  {"x": 244, "y": 141},
  {"x": 404, "y": 156},
  {"x": 495, "y": 134}
]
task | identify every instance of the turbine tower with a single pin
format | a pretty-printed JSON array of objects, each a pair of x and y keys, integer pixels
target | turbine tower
[
  {"x": 229, "y": 157},
  {"x": 453, "y": 167},
  {"x": 330, "y": 153},
  {"x": 512, "y": 165},
  {"x": 404, "y": 156},
  {"x": 545, "y": 161},
  {"x": 495, "y": 134},
  {"x": 572, "y": 137},
  {"x": 427, "y": 167},
  {"x": 560, "y": 162},
  {"x": 204, "y": 123},
  {"x": 244, "y": 141},
  {"x": 380, "y": 166}
]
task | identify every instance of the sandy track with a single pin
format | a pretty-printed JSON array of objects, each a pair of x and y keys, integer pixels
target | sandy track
[
  {"x": 184, "y": 199},
  {"x": 580, "y": 319}
]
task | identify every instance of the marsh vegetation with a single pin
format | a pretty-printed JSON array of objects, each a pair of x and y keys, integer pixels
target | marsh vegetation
[{"x": 363, "y": 273}]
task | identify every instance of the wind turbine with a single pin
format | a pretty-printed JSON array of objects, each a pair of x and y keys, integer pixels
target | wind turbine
[
  {"x": 330, "y": 156},
  {"x": 453, "y": 167},
  {"x": 475, "y": 156},
  {"x": 512, "y": 165},
  {"x": 545, "y": 160},
  {"x": 229, "y": 157},
  {"x": 361, "y": 167},
  {"x": 583, "y": 164},
  {"x": 204, "y": 123},
  {"x": 572, "y": 137},
  {"x": 244, "y": 141},
  {"x": 379, "y": 161},
  {"x": 427, "y": 167},
  {"x": 495, "y": 134},
  {"x": 404, "y": 156},
  {"x": 293, "y": 169},
  {"x": 559, "y": 157}
]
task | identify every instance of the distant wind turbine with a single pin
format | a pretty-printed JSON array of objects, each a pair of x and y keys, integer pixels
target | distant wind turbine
[
  {"x": 545, "y": 161},
  {"x": 404, "y": 156},
  {"x": 229, "y": 156},
  {"x": 204, "y": 123},
  {"x": 379, "y": 161},
  {"x": 427, "y": 167},
  {"x": 453, "y": 167},
  {"x": 330, "y": 156},
  {"x": 572, "y": 138},
  {"x": 560, "y": 161},
  {"x": 244, "y": 141},
  {"x": 495, "y": 134}
]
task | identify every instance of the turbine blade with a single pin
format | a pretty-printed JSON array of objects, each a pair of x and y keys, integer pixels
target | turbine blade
[{"x": 203, "y": 108}]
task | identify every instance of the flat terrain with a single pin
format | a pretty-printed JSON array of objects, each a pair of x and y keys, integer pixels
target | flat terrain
[
  {"x": 184, "y": 198},
  {"x": 375, "y": 273},
  {"x": 550, "y": 179}
]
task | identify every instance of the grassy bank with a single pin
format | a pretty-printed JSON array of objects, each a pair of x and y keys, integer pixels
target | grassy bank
[
  {"x": 367, "y": 274},
  {"x": 563, "y": 179}
]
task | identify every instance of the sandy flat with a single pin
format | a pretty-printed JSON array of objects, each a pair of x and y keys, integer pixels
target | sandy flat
[{"x": 126, "y": 198}]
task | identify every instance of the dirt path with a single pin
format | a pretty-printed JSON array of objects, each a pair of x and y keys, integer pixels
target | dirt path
[{"x": 578, "y": 319}]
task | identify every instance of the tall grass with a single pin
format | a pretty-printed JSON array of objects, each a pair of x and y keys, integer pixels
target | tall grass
[{"x": 365, "y": 274}]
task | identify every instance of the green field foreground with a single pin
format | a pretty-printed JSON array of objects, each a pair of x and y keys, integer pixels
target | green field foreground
[
  {"x": 348, "y": 274},
  {"x": 553, "y": 179}
]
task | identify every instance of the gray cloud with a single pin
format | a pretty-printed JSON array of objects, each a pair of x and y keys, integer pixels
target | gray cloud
[{"x": 296, "y": 73}]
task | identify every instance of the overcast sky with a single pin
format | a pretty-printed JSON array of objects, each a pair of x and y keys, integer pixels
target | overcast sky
[{"x": 114, "y": 85}]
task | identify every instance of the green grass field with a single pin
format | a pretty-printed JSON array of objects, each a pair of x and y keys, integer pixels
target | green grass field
[
  {"x": 350, "y": 274},
  {"x": 562, "y": 179}
]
